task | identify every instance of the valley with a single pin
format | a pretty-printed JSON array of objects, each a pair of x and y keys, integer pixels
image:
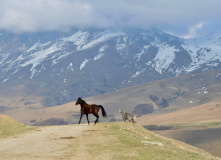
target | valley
[
  {"x": 205, "y": 136},
  {"x": 196, "y": 96}
]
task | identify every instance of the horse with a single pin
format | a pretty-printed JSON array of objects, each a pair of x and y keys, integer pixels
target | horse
[{"x": 90, "y": 108}]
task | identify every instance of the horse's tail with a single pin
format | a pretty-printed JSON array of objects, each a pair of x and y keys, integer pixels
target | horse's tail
[{"x": 104, "y": 114}]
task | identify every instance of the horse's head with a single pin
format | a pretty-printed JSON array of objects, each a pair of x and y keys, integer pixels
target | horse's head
[{"x": 79, "y": 101}]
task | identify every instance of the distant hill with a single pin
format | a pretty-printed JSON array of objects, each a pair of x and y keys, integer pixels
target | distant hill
[
  {"x": 190, "y": 90},
  {"x": 207, "y": 112},
  {"x": 164, "y": 96}
]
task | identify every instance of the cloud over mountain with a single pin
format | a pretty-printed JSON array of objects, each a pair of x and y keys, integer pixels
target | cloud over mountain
[{"x": 41, "y": 15}]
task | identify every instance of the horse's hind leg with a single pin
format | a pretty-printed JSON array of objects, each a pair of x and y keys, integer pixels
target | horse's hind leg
[
  {"x": 87, "y": 119},
  {"x": 97, "y": 116}
]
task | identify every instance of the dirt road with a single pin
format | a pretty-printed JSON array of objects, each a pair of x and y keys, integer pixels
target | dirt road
[{"x": 51, "y": 143}]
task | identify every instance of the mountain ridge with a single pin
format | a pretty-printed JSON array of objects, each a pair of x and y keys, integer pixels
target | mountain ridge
[{"x": 63, "y": 65}]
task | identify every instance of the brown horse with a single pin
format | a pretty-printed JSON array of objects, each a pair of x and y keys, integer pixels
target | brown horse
[{"x": 90, "y": 108}]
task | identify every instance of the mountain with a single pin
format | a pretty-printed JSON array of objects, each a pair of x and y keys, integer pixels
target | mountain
[{"x": 58, "y": 67}]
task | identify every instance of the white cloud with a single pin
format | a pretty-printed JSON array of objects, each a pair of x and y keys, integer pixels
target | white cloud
[
  {"x": 193, "y": 30},
  {"x": 44, "y": 15}
]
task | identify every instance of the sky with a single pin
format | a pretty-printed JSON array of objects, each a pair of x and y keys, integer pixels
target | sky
[{"x": 182, "y": 18}]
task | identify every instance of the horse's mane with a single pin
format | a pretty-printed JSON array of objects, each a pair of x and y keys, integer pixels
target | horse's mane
[{"x": 84, "y": 102}]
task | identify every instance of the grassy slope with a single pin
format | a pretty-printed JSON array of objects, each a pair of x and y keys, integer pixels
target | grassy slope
[
  {"x": 123, "y": 141},
  {"x": 10, "y": 127}
]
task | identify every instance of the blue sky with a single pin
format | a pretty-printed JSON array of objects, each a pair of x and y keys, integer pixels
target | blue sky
[{"x": 183, "y": 18}]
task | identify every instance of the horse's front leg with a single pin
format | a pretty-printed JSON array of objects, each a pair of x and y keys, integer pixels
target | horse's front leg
[
  {"x": 88, "y": 119},
  {"x": 80, "y": 118}
]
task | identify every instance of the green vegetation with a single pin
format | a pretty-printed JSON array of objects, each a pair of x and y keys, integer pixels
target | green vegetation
[
  {"x": 10, "y": 127},
  {"x": 125, "y": 141},
  {"x": 179, "y": 92},
  {"x": 143, "y": 109},
  {"x": 161, "y": 102}
]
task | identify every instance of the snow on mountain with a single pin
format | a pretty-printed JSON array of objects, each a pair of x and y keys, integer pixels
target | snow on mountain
[
  {"x": 99, "y": 40},
  {"x": 137, "y": 56},
  {"x": 137, "y": 73},
  {"x": 79, "y": 39},
  {"x": 101, "y": 53},
  {"x": 83, "y": 64},
  {"x": 38, "y": 57},
  {"x": 165, "y": 57},
  {"x": 204, "y": 51},
  {"x": 88, "y": 62}
]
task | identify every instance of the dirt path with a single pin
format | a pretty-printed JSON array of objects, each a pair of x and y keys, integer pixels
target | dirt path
[{"x": 49, "y": 143}]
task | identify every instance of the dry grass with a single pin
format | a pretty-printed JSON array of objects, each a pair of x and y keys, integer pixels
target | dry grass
[{"x": 10, "y": 127}]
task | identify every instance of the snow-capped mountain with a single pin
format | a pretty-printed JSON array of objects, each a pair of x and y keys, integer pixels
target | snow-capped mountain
[{"x": 66, "y": 65}]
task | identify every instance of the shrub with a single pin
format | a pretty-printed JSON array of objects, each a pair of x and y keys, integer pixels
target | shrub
[
  {"x": 161, "y": 102},
  {"x": 154, "y": 98},
  {"x": 143, "y": 109}
]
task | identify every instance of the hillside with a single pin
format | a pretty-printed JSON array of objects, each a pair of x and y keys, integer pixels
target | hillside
[
  {"x": 9, "y": 127},
  {"x": 189, "y": 90},
  {"x": 106, "y": 140}
]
